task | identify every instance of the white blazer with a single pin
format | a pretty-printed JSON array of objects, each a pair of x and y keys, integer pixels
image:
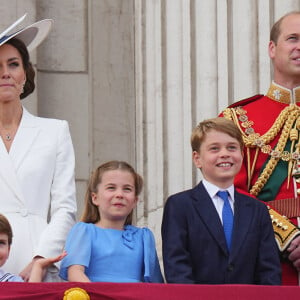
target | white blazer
[{"x": 37, "y": 189}]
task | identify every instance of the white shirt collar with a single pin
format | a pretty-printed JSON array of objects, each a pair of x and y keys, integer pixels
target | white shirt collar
[{"x": 213, "y": 189}]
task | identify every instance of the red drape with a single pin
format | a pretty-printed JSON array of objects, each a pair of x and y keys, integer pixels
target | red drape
[{"x": 147, "y": 291}]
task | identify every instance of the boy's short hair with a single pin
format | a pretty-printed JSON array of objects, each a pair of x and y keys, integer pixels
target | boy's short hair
[
  {"x": 217, "y": 124},
  {"x": 5, "y": 228}
]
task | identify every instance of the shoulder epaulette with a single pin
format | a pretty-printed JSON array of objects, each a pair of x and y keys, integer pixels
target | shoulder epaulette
[{"x": 246, "y": 101}]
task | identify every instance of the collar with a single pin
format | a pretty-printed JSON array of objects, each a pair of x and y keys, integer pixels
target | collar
[
  {"x": 281, "y": 94},
  {"x": 213, "y": 189}
]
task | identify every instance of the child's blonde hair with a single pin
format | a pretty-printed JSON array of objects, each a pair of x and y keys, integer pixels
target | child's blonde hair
[
  {"x": 5, "y": 228},
  {"x": 217, "y": 124},
  {"x": 91, "y": 212}
]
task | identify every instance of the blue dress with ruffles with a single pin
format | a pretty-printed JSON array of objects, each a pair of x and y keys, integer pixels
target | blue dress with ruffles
[{"x": 111, "y": 255}]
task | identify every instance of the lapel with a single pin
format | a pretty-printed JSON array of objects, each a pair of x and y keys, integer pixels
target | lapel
[
  {"x": 8, "y": 174},
  {"x": 11, "y": 161},
  {"x": 25, "y": 137},
  {"x": 242, "y": 218},
  {"x": 208, "y": 213}
]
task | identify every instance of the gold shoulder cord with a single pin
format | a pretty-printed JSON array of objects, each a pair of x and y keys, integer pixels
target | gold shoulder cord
[
  {"x": 284, "y": 230},
  {"x": 269, "y": 168},
  {"x": 286, "y": 119},
  {"x": 249, "y": 140}
]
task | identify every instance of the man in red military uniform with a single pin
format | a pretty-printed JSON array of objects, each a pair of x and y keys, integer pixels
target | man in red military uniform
[{"x": 271, "y": 130}]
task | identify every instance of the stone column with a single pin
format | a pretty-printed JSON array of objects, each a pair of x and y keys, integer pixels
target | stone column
[
  {"x": 149, "y": 112},
  {"x": 111, "y": 35}
]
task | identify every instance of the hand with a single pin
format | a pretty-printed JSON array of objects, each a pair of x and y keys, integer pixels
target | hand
[
  {"x": 40, "y": 266},
  {"x": 47, "y": 262},
  {"x": 294, "y": 250},
  {"x": 25, "y": 273}
]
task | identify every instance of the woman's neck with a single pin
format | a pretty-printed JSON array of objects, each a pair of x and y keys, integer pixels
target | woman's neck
[
  {"x": 10, "y": 115},
  {"x": 112, "y": 224}
]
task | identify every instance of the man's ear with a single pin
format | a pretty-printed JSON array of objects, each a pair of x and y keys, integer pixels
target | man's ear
[
  {"x": 272, "y": 49},
  {"x": 196, "y": 159}
]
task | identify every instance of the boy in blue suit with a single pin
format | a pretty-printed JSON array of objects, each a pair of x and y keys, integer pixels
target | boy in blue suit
[{"x": 218, "y": 238}]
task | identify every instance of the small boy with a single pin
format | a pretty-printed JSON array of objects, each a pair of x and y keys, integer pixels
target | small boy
[
  {"x": 212, "y": 234},
  {"x": 5, "y": 243}
]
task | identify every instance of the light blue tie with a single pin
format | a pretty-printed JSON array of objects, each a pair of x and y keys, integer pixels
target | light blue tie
[{"x": 227, "y": 216}]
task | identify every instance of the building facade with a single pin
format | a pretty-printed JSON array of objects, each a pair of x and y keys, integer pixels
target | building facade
[{"x": 133, "y": 77}]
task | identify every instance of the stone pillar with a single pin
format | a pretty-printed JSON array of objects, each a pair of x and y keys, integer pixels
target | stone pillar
[
  {"x": 163, "y": 91},
  {"x": 111, "y": 42},
  {"x": 149, "y": 112},
  {"x": 177, "y": 95},
  {"x": 244, "y": 45}
]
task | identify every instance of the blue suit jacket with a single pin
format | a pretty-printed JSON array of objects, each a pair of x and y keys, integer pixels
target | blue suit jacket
[{"x": 194, "y": 246}]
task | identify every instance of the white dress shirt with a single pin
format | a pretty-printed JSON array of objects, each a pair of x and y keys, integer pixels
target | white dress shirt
[{"x": 217, "y": 201}]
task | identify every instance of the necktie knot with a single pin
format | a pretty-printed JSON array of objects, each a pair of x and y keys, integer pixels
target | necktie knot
[
  {"x": 227, "y": 216},
  {"x": 223, "y": 195}
]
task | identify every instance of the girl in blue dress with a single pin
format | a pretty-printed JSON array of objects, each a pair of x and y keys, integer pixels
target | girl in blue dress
[{"x": 104, "y": 246}]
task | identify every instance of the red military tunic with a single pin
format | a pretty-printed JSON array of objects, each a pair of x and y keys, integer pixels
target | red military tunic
[{"x": 270, "y": 126}]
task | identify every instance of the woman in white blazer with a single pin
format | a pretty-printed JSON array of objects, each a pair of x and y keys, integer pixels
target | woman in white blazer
[{"x": 37, "y": 187}]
